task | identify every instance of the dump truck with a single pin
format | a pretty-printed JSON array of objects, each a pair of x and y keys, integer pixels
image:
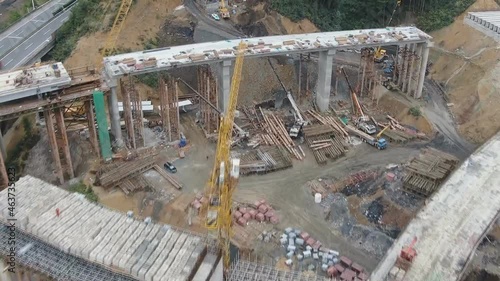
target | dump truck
[{"x": 379, "y": 143}]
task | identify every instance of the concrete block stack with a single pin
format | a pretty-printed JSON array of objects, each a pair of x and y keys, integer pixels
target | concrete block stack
[
  {"x": 260, "y": 211},
  {"x": 301, "y": 247}
]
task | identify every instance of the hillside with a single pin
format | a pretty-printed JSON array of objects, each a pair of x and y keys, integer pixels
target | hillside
[{"x": 467, "y": 62}]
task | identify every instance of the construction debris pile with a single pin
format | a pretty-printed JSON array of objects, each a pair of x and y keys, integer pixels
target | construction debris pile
[
  {"x": 260, "y": 211},
  {"x": 425, "y": 173},
  {"x": 310, "y": 253}
]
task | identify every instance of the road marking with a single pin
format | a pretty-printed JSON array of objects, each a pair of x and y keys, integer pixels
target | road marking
[
  {"x": 1, "y": 47},
  {"x": 63, "y": 20},
  {"x": 14, "y": 37},
  {"x": 28, "y": 46},
  {"x": 46, "y": 32},
  {"x": 9, "y": 62}
]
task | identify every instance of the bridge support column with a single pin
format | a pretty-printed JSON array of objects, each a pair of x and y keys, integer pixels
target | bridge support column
[
  {"x": 224, "y": 84},
  {"x": 63, "y": 142},
  {"x": 323, "y": 87},
  {"x": 423, "y": 68},
  {"x": 114, "y": 113}
]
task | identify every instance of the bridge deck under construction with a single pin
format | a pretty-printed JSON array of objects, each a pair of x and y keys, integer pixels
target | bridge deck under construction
[{"x": 140, "y": 250}]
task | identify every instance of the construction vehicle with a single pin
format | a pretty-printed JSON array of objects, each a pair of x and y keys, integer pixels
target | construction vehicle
[
  {"x": 363, "y": 125},
  {"x": 378, "y": 142},
  {"x": 225, "y": 172},
  {"x": 403, "y": 262},
  {"x": 381, "y": 54},
  {"x": 299, "y": 120},
  {"x": 223, "y": 11}
]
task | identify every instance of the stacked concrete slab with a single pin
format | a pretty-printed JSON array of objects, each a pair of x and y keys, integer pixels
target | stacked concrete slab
[{"x": 100, "y": 235}]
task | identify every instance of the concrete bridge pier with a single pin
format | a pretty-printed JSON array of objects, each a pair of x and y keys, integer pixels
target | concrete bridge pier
[
  {"x": 224, "y": 83},
  {"x": 323, "y": 86},
  {"x": 114, "y": 113},
  {"x": 423, "y": 67}
]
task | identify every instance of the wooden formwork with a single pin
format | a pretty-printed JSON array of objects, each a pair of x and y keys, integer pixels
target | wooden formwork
[
  {"x": 169, "y": 109},
  {"x": 425, "y": 173},
  {"x": 207, "y": 87},
  {"x": 333, "y": 147}
]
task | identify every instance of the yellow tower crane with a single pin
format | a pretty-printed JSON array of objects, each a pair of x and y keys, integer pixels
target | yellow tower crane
[
  {"x": 381, "y": 54},
  {"x": 224, "y": 12},
  {"x": 225, "y": 172},
  {"x": 109, "y": 45}
]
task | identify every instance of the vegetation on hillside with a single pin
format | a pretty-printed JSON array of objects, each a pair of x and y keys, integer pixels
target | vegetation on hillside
[
  {"x": 19, "y": 154},
  {"x": 331, "y": 15},
  {"x": 81, "y": 188},
  {"x": 86, "y": 17}
]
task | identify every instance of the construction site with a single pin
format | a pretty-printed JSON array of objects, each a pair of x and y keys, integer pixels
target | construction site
[{"x": 216, "y": 155}]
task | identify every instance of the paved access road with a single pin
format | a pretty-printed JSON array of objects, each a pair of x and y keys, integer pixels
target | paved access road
[
  {"x": 30, "y": 47},
  {"x": 23, "y": 29}
]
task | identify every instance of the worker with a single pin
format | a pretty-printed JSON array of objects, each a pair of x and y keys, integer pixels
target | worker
[
  {"x": 58, "y": 212},
  {"x": 207, "y": 157}
]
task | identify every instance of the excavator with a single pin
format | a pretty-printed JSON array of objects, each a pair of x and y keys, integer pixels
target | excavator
[
  {"x": 225, "y": 172},
  {"x": 381, "y": 54},
  {"x": 223, "y": 11}
]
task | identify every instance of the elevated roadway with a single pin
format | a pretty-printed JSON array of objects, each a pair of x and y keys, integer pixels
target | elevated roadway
[
  {"x": 454, "y": 221},
  {"x": 23, "y": 29},
  {"x": 33, "y": 38}
]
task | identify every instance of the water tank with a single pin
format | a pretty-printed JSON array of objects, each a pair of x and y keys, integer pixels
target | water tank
[{"x": 317, "y": 198}]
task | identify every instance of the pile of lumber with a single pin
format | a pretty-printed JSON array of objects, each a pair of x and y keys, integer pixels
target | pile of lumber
[
  {"x": 134, "y": 184},
  {"x": 278, "y": 134},
  {"x": 123, "y": 171},
  {"x": 328, "y": 120},
  {"x": 264, "y": 160},
  {"x": 425, "y": 173},
  {"x": 324, "y": 142},
  {"x": 398, "y": 132}
]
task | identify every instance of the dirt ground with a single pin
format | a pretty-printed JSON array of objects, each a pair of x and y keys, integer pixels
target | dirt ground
[
  {"x": 143, "y": 22},
  {"x": 466, "y": 62}
]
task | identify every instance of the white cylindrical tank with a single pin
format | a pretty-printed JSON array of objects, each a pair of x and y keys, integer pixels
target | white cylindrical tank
[{"x": 317, "y": 198}]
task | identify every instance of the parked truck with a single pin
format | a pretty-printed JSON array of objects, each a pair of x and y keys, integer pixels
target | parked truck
[{"x": 379, "y": 143}]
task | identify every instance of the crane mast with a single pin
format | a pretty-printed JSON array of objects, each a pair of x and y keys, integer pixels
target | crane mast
[{"x": 225, "y": 171}]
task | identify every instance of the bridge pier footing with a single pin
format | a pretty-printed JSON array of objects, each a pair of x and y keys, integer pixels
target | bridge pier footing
[{"x": 324, "y": 84}]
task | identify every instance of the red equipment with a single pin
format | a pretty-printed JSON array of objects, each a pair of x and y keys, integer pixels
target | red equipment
[{"x": 408, "y": 253}]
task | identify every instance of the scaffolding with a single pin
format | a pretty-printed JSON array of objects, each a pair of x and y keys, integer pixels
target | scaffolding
[
  {"x": 132, "y": 112},
  {"x": 366, "y": 74},
  {"x": 169, "y": 109},
  {"x": 207, "y": 87}
]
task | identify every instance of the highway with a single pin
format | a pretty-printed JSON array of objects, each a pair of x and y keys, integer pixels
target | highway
[
  {"x": 23, "y": 29},
  {"x": 32, "y": 45}
]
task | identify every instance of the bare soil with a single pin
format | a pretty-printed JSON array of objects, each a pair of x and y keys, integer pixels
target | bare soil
[
  {"x": 467, "y": 62},
  {"x": 143, "y": 22}
]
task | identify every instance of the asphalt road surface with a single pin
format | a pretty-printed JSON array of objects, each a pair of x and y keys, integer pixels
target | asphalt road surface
[
  {"x": 35, "y": 43},
  {"x": 23, "y": 29},
  {"x": 211, "y": 25}
]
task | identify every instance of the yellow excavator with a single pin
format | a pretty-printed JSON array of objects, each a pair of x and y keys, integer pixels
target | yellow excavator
[
  {"x": 381, "y": 54},
  {"x": 223, "y": 11}
]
